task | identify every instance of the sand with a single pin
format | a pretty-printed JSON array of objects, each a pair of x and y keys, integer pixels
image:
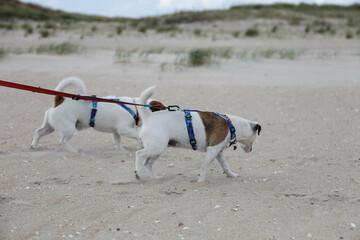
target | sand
[{"x": 301, "y": 181}]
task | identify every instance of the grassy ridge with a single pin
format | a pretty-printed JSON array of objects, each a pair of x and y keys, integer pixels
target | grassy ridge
[
  {"x": 14, "y": 9},
  {"x": 300, "y": 7},
  {"x": 273, "y": 11}
]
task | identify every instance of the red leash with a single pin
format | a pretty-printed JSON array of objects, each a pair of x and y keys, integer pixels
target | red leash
[{"x": 69, "y": 95}]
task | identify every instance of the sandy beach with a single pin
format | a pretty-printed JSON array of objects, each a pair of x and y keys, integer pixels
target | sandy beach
[{"x": 301, "y": 181}]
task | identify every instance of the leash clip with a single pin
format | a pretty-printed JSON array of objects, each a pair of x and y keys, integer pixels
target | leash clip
[
  {"x": 75, "y": 97},
  {"x": 172, "y": 108}
]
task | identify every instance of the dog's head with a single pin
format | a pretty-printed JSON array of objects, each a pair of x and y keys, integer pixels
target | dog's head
[
  {"x": 156, "y": 106},
  {"x": 246, "y": 136}
]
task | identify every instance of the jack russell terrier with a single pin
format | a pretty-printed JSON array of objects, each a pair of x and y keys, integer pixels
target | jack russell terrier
[
  {"x": 205, "y": 131},
  {"x": 68, "y": 115}
]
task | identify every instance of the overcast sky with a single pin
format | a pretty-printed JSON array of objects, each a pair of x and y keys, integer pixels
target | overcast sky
[{"x": 143, "y": 8}]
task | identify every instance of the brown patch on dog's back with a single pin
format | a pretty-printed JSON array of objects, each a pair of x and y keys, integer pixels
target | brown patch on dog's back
[
  {"x": 216, "y": 128},
  {"x": 158, "y": 105},
  {"x": 58, "y": 100}
]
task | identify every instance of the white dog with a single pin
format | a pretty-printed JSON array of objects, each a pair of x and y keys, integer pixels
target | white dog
[
  {"x": 169, "y": 128},
  {"x": 68, "y": 115}
]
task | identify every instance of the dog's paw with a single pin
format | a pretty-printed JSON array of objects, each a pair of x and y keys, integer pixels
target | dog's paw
[
  {"x": 201, "y": 179},
  {"x": 232, "y": 174},
  {"x": 137, "y": 175},
  {"x": 157, "y": 177}
]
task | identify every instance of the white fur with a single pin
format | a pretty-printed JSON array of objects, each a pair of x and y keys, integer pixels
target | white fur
[
  {"x": 74, "y": 115},
  {"x": 160, "y": 127}
]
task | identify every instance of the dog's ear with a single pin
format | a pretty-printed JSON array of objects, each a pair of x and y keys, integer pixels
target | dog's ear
[{"x": 256, "y": 127}]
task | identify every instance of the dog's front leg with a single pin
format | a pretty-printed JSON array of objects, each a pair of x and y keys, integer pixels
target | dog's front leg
[
  {"x": 224, "y": 165},
  {"x": 211, "y": 153}
]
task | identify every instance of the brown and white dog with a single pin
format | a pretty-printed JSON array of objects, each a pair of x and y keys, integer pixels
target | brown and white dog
[
  {"x": 68, "y": 115},
  {"x": 168, "y": 128}
]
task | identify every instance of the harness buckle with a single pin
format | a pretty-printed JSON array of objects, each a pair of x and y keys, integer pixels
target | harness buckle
[
  {"x": 188, "y": 117},
  {"x": 232, "y": 129},
  {"x": 173, "y": 108}
]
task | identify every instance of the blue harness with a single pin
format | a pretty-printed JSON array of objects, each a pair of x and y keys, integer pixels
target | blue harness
[
  {"x": 189, "y": 126},
  {"x": 135, "y": 116},
  {"x": 93, "y": 113},
  {"x": 94, "y": 110},
  {"x": 190, "y": 129},
  {"x": 231, "y": 128}
]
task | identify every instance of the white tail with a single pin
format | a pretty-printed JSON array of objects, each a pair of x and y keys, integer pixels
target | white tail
[
  {"x": 74, "y": 81},
  {"x": 145, "y": 95}
]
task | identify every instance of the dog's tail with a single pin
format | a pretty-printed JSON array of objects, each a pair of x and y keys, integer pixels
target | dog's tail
[
  {"x": 145, "y": 112},
  {"x": 71, "y": 81}
]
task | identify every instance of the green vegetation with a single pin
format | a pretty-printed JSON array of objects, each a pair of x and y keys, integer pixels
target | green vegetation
[
  {"x": 294, "y": 14},
  {"x": 119, "y": 30},
  {"x": 323, "y": 27},
  {"x": 14, "y": 9},
  {"x": 94, "y": 29},
  {"x": 206, "y": 56},
  {"x": 9, "y": 26},
  {"x": 123, "y": 56},
  {"x": 274, "y": 29},
  {"x": 168, "y": 28},
  {"x": 27, "y": 29},
  {"x": 235, "y": 34},
  {"x": 349, "y": 34},
  {"x": 199, "y": 57},
  {"x": 142, "y": 29},
  {"x": 252, "y": 32},
  {"x": 65, "y": 48},
  {"x": 44, "y": 33},
  {"x": 2, "y": 53}
]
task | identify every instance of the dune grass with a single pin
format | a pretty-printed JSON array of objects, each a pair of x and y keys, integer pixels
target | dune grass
[
  {"x": 14, "y": 9},
  {"x": 207, "y": 56},
  {"x": 2, "y": 53},
  {"x": 64, "y": 48}
]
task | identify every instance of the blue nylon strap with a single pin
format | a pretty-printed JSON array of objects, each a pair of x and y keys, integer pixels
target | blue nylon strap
[
  {"x": 93, "y": 113},
  {"x": 190, "y": 129},
  {"x": 231, "y": 127},
  {"x": 136, "y": 118}
]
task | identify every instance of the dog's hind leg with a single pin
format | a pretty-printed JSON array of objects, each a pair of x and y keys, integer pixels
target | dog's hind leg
[
  {"x": 128, "y": 132},
  {"x": 65, "y": 138},
  {"x": 224, "y": 165},
  {"x": 149, "y": 166},
  {"x": 211, "y": 153},
  {"x": 117, "y": 140},
  {"x": 45, "y": 129},
  {"x": 153, "y": 149}
]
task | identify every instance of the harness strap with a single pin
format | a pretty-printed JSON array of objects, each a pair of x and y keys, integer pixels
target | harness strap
[
  {"x": 189, "y": 126},
  {"x": 135, "y": 116},
  {"x": 93, "y": 113},
  {"x": 231, "y": 128}
]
